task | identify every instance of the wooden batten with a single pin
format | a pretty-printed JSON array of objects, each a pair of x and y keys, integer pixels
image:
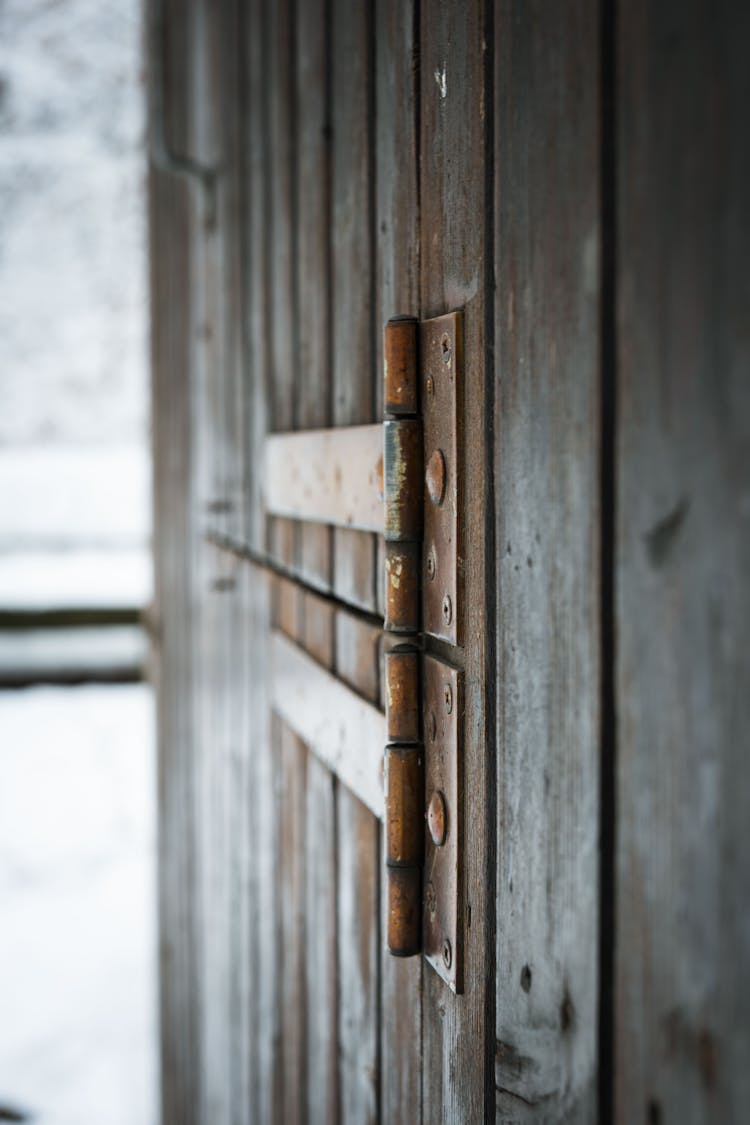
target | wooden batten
[
  {"x": 343, "y": 730},
  {"x": 332, "y": 476}
]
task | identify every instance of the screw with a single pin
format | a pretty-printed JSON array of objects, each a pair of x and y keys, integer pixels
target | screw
[
  {"x": 437, "y": 818},
  {"x": 430, "y": 386},
  {"x": 445, "y": 343},
  {"x": 436, "y": 477},
  {"x": 447, "y": 953},
  {"x": 431, "y": 564},
  {"x": 447, "y": 609},
  {"x": 448, "y": 697},
  {"x": 430, "y": 899}
]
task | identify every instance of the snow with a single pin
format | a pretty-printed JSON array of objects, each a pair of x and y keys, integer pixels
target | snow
[
  {"x": 77, "y": 768},
  {"x": 38, "y": 580},
  {"x": 77, "y": 947}
]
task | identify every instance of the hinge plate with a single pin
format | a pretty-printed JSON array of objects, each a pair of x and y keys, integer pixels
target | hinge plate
[
  {"x": 442, "y": 923},
  {"x": 441, "y": 361}
]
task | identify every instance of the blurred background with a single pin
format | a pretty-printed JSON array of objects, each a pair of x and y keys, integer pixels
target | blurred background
[{"x": 77, "y": 767}]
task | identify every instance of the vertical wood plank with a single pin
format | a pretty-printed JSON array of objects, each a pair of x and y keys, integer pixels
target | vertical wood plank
[
  {"x": 358, "y": 903},
  {"x": 352, "y": 266},
  {"x": 292, "y": 877},
  {"x": 547, "y": 309},
  {"x": 313, "y": 257},
  {"x": 682, "y": 1037},
  {"x": 396, "y": 294},
  {"x": 171, "y": 206},
  {"x": 278, "y": 63},
  {"x": 453, "y": 113},
  {"x": 214, "y": 588},
  {"x": 321, "y": 1038},
  {"x": 257, "y": 412}
]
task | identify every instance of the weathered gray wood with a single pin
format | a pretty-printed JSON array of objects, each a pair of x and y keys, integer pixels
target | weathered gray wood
[
  {"x": 292, "y": 876},
  {"x": 682, "y": 1035},
  {"x": 344, "y": 731},
  {"x": 359, "y": 856},
  {"x": 547, "y": 309},
  {"x": 453, "y": 112},
  {"x": 277, "y": 33},
  {"x": 396, "y": 294},
  {"x": 313, "y": 391},
  {"x": 332, "y": 476},
  {"x": 321, "y": 1039},
  {"x": 170, "y": 204},
  {"x": 353, "y": 334},
  {"x": 257, "y": 412}
]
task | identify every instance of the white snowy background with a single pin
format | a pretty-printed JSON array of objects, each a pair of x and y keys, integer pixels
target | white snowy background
[{"x": 77, "y": 772}]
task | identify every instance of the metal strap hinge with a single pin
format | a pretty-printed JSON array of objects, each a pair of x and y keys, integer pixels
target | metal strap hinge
[{"x": 424, "y": 700}]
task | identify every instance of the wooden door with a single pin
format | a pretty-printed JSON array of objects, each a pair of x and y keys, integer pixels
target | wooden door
[
  {"x": 318, "y": 167},
  {"x": 307, "y": 224}
]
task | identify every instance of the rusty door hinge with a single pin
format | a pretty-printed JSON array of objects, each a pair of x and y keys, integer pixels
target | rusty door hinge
[{"x": 424, "y": 704}]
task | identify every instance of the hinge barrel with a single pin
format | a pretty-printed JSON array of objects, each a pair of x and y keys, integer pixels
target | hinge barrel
[{"x": 404, "y": 774}]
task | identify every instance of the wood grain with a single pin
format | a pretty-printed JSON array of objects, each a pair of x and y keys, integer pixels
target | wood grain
[
  {"x": 396, "y": 294},
  {"x": 313, "y": 390},
  {"x": 683, "y": 555},
  {"x": 170, "y": 215},
  {"x": 453, "y": 106},
  {"x": 353, "y": 371},
  {"x": 547, "y": 309},
  {"x": 321, "y": 1039}
]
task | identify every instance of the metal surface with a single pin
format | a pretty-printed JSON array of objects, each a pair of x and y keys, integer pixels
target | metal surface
[
  {"x": 402, "y": 453},
  {"x": 404, "y": 804},
  {"x": 437, "y": 818},
  {"x": 402, "y": 697},
  {"x": 402, "y": 587},
  {"x": 330, "y": 476},
  {"x": 345, "y": 732},
  {"x": 401, "y": 389},
  {"x": 441, "y": 359},
  {"x": 403, "y": 921},
  {"x": 442, "y": 918}
]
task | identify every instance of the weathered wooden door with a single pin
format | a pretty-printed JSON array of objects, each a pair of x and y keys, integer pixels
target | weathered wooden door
[
  {"x": 310, "y": 218},
  {"x": 318, "y": 167}
]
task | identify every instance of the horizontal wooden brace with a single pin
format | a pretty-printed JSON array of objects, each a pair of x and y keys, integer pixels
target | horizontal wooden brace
[
  {"x": 343, "y": 730},
  {"x": 330, "y": 476}
]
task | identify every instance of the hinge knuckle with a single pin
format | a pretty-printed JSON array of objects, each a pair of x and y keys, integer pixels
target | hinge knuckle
[{"x": 402, "y": 472}]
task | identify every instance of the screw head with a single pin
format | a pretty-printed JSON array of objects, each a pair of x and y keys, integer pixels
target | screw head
[
  {"x": 445, "y": 345},
  {"x": 447, "y": 609},
  {"x": 448, "y": 698},
  {"x": 437, "y": 819},
  {"x": 435, "y": 477},
  {"x": 430, "y": 899},
  {"x": 432, "y": 726},
  {"x": 431, "y": 564},
  {"x": 447, "y": 953},
  {"x": 430, "y": 386}
]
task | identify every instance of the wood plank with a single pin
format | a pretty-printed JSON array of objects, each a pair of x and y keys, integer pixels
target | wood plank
[
  {"x": 321, "y": 1038},
  {"x": 332, "y": 476},
  {"x": 547, "y": 309},
  {"x": 292, "y": 879},
  {"x": 453, "y": 270},
  {"x": 353, "y": 328},
  {"x": 170, "y": 205},
  {"x": 215, "y": 587},
  {"x": 682, "y": 969},
  {"x": 278, "y": 62},
  {"x": 341, "y": 728},
  {"x": 358, "y": 907},
  {"x": 313, "y": 256},
  {"x": 257, "y": 408}
]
